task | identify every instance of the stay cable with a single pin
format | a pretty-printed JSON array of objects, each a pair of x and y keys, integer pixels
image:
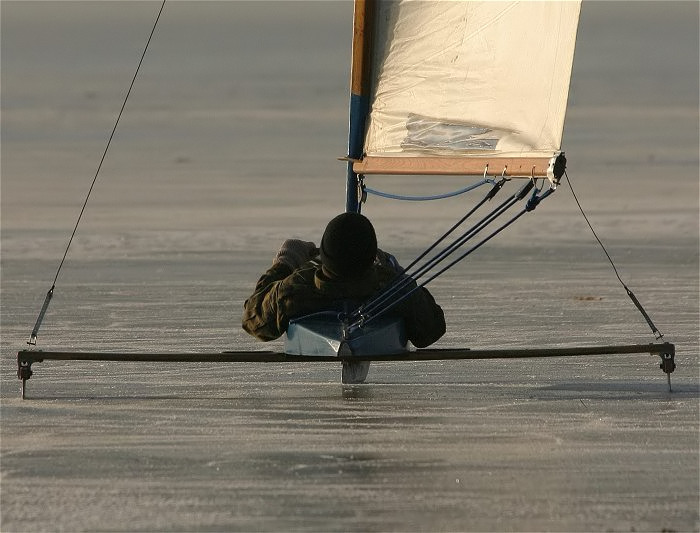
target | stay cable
[
  {"x": 49, "y": 294},
  {"x": 657, "y": 334}
]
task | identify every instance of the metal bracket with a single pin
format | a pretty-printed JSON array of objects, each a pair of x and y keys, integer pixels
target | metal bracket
[
  {"x": 24, "y": 372},
  {"x": 557, "y": 166},
  {"x": 668, "y": 365},
  {"x": 361, "y": 190}
]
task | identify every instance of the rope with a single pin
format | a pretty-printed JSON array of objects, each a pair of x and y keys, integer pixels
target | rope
[
  {"x": 49, "y": 294},
  {"x": 406, "y": 277},
  {"x": 391, "y": 297},
  {"x": 657, "y": 334},
  {"x": 497, "y": 186},
  {"x": 388, "y": 306},
  {"x": 392, "y": 196}
]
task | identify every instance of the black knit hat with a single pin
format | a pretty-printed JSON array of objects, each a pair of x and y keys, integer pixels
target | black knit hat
[{"x": 348, "y": 246}]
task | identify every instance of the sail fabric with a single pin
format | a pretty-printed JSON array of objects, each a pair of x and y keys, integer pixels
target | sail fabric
[{"x": 470, "y": 78}]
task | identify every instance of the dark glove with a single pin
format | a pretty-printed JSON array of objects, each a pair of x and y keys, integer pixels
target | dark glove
[{"x": 295, "y": 252}]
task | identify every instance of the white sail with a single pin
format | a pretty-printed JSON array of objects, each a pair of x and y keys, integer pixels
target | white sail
[{"x": 469, "y": 78}]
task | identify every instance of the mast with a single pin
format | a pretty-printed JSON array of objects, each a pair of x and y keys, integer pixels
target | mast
[{"x": 363, "y": 18}]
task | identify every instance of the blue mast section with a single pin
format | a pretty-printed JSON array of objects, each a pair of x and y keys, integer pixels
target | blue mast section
[{"x": 359, "y": 107}]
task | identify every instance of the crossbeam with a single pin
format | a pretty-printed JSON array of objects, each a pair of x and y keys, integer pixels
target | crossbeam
[
  {"x": 511, "y": 167},
  {"x": 25, "y": 358}
]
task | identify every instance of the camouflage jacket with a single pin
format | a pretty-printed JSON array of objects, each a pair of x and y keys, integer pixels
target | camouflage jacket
[{"x": 282, "y": 294}]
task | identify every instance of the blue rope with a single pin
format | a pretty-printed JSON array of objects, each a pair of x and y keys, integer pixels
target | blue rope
[{"x": 392, "y": 196}]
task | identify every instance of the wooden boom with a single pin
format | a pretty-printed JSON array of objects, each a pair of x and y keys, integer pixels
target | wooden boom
[{"x": 510, "y": 167}]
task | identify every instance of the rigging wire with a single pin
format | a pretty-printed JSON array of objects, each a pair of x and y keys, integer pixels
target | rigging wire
[
  {"x": 631, "y": 295},
  {"x": 407, "y": 276},
  {"x": 49, "y": 294},
  {"x": 497, "y": 186},
  {"x": 395, "y": 292}
]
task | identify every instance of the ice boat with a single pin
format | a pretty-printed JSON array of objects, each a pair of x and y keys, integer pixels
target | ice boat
[{"x": 472, "y": 88}]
